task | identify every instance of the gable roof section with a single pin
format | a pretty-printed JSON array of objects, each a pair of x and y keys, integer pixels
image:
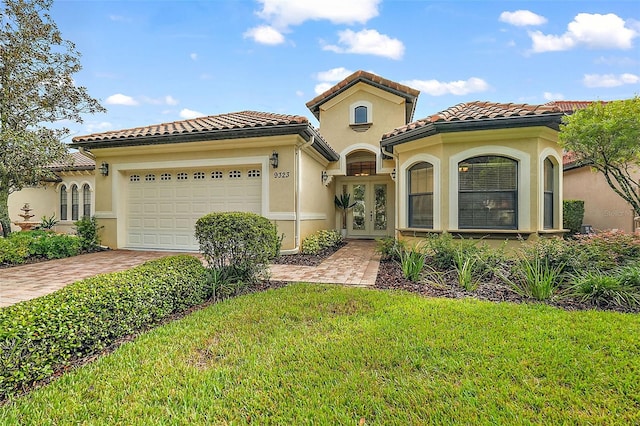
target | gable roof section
[
  {"x": 233, "y": 125},
  {"x": 475, "y": 116},
  {"x": 410, "y": 95}
]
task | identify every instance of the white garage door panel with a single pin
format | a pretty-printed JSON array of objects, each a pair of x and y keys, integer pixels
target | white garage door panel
[{"x": 162, "y": 212}]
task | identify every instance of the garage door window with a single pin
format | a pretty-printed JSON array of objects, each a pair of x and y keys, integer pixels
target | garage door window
[
  {"x": 216, "y": 175},
  {"x": 165, "y": 176},
  {"x": 253, "y": 173},
  {"x": 182, "y": 176},
  {"x": 150, "y": 177},
  {"x": 134, "y": 178},
  {"x": 235, "y": 174},
  {"x": 198, "y": 175}
]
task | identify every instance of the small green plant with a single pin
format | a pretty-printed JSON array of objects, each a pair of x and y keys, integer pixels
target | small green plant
[
  {"x": 226, "y": 282},
  {"x": 48, "y": 222},
  {"x": 412, "y": 261},
  {"x": 388, "y": 247},
  {"x": 321, "y": 240},
  {"x": 572, "y": 215},
  {"x": 88, "y": 230},
  {"x": 534, "y": 277},
  {"x": 603, "y": 289},
  {"x": 466, "y": 267},
  {"x": 343, "y": 202}
]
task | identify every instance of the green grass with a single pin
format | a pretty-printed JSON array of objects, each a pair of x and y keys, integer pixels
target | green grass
[{"x": 312, "y": 354}]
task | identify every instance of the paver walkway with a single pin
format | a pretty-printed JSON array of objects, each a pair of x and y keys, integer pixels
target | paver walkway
[{"x": 354, "y": 264}]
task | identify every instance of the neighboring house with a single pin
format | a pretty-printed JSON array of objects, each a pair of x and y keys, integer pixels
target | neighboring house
[
  {"x": 603, "y": 208},
  {"x": 477, "y": 169},
  {"x": 68, "y": 197}
]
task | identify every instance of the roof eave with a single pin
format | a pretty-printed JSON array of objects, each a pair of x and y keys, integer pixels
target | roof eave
[
  {"x": 551, "y": 120},
  {"x": 218, "y": 134}
]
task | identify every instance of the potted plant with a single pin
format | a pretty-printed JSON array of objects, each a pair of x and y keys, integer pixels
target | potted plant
[{"x": 343, "y": 202}]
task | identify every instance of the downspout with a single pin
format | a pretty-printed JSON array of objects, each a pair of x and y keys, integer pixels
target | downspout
[
  {"x": 297, "y": 190},
  {"x": 397, "y": 191},
  {"x": 87, "y": 153}
]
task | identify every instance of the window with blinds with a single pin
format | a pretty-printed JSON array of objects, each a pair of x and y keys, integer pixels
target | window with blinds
[
  {"x": 420, "y": 181},
  {"x": 487, "y": 193}
]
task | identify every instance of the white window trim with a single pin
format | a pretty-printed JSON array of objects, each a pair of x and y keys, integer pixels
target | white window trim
[
  {"x": 557, "y": 187},
  {"x": 403, "y": 198},
  {"x": 352, "y": 112},
  {"x": 524, "y": 184}
]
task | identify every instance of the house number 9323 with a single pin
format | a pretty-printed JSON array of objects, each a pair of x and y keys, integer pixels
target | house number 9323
[{"x": 281, "y": 175}]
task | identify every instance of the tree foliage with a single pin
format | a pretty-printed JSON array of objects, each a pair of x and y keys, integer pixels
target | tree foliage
[
  {"x": 36, "y": 88},
  {"x": 606, "y": 136}
]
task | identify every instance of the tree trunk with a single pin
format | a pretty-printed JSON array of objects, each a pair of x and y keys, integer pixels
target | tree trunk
[{"x": 4, "y": 211}]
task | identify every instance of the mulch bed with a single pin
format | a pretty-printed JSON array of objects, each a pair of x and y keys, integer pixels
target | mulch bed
[
  {"x": 307, "y": 259},
  {"x": 390, "y": 278}
]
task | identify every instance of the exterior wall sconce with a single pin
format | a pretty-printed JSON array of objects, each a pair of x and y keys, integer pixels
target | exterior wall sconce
[
  {"x": 104, "y": 169},
  {"x": 393, "y": 175},
  {"x": 274, "y": 159},
  {"x": 324, "y": 176}
]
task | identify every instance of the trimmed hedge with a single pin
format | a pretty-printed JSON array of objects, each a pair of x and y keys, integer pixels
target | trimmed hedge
[
  {"x": 22, "y": 246},
  {"x": 572, "y": 215},
  {"x": 40, "y": 336},
  {"x": 241, "y": 244},
  {"x": 321, "y": 240}
]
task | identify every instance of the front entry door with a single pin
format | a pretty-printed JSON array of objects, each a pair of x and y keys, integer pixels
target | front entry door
[{"x": 370, "y": 216}]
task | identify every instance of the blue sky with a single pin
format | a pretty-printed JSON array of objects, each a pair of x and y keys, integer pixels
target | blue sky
[{"x": 151, "y": 62}]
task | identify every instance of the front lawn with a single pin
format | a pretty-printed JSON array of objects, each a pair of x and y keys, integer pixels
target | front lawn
[{"x": 314, "y": 354}]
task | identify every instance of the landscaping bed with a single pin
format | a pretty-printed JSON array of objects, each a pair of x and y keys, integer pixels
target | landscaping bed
[{"x": 301, "y": 259}]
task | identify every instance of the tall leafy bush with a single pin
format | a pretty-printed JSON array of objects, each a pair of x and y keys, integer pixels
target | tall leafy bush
[
  {"x": 242, "y": 243},
  {"x": 572, "y": 215}
]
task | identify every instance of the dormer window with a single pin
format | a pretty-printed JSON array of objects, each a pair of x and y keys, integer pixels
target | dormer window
[{"x": 360, "y": 116}]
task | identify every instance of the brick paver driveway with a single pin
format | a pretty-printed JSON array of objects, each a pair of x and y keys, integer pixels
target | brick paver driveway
[{"x": 34, "y": 280}]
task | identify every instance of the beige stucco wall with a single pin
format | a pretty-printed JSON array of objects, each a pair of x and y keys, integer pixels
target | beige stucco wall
[
  {"x": 530, "y": 146},
  {"x": 603, "y": 208},
  {"x": 279, "y": 189},
  {"x": 45, "y": 200}
]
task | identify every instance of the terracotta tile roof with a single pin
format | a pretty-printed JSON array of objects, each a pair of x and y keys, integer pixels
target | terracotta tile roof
[
  {"x": 229, "y": 121},
  {"x": 79, "y": 162},
  {"x": 569, "y": 107},
  {"x": 477, "y": 111},
  {"x": 375, "y": 80}
]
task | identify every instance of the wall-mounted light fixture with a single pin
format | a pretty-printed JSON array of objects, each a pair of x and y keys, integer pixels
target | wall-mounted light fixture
[
  {"x": 393, "y": 175},
  {"x": 463, "y": 168},
  {"x": 325, "y": 176},
  {"x": 274, "y": 159},
  {"x": 104, "y": 169}
]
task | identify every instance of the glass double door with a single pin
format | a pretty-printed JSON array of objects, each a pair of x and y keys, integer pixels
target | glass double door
[{"x": 370, "y": 216}]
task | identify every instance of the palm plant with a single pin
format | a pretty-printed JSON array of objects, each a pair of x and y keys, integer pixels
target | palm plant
[{"x": 343, "y": 202}]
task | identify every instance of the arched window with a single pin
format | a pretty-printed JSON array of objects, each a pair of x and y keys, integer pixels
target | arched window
[
  {"x": 86, "y": 200},
  {"x": 63, "y": 202},
  {"x": 360, "y": 115},
  {"x": 549, "y": 185},
  {"x": 420, "y": 182},
  {"x": 488, "y": 193},
  {"x": 75, "y": 202}
]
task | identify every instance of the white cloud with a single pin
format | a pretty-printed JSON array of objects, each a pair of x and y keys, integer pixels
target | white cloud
[
  {"x": 439, "y": 88},
  {"x": 322, "y": 87},
  {"x": 120, "y": 99},
  {"x": 188, "y": 114},
  {"x": 299, "y": 93},
  {"x": 593, "y": 31},
  {"x": 522, "y": 18},
  {"x": 553, "y": 96},
  {"x": 367, "y": 42},
  {"x": 334, "y": 74},
  {"x": 193, "y": 56},
  {"x": 170, "y": 100},
  {"x": 609, "y": 80},
  {"x": 265, "y": 34},
  {"x": 98, "y": 127},
  {"x": 285, "y": 13}
]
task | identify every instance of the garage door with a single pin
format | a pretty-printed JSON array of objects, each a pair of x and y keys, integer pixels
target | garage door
[{"x": 164, "y": 205}]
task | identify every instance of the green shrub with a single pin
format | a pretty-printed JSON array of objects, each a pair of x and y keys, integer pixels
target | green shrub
[
  {"x": 468, "y": 267},
  {"x": 13, "y": 251},
  {"x": 608, "y": 250},
  {"x": 245, "y": 241},
  {"x": 321, "y": 240},
  {"x": 445, "y": 251},
  {"x": 412, "y": 261},
  {"x": 603, "y": 289},
  {"x": 534, "y": 276},
  {"x": 388, "y": 247},
  {"x": 89, "y": 232},
  {"x": 572, "y": 215},
  {"x": 37, "y": 244},
  {"x": 40, "y": 336}
]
